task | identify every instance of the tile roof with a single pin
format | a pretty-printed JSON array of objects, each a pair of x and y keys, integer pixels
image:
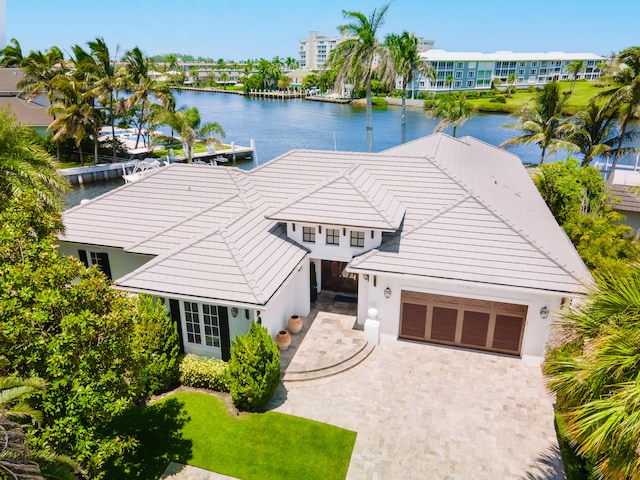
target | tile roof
[
  {"x": 352, "y": 198},
  {"x": 465, "y": 210},
  {"x": 627, "y": 196}
]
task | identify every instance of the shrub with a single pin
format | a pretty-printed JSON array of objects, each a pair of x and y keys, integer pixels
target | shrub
[
  {"x": 156, "y": 344},
  {"x": 201, "y": 372},
  {"x": 379, "y": 102},
  {"x": 254, "y": 369},
  {"x": 430, "y": 103},
  {"x": 497, "y": 107},
  {"x": 499, "y": 99}
]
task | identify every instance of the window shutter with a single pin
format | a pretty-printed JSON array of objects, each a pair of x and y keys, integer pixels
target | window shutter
[
  {"x": 174, "y": 309},
  {"x": 104, "y": 264},
  {"x": 225, "y": 341},
  {"x": 83, "y": 257}
]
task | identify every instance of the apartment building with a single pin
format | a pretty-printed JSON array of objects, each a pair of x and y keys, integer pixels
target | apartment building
[{"x": 474, "y": 70}]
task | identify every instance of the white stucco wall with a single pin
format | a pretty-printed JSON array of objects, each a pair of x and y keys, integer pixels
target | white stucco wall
[
  {"x": 343, "y": 252},
  {"x": 293, "y": 298},
  {"x": 536, "y": 331},
  {"x": 121, "y": 262}
]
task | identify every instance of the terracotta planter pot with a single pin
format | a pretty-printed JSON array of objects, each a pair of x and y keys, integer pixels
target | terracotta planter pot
[
  {"x": 295, "y": 324},
  {"x": 283, "y": 340}
]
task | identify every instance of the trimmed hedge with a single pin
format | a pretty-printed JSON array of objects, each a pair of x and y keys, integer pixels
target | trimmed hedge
[{"x": 202, "y": 372}]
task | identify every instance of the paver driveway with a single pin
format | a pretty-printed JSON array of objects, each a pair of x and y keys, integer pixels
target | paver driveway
[{"x": 430, "y": 412}]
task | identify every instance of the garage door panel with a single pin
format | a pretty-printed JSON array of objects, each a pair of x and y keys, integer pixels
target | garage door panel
[
  {"x": 507, "y": 333},
  {"x": 443, "y": 324},
  {"x": 414, "y": 318},
  {"x": 475, "y": 327},
  {"x": 464, "y": 322}
]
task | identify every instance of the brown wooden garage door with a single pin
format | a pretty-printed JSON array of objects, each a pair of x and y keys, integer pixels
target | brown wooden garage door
[{"x": 463, "y": 322}]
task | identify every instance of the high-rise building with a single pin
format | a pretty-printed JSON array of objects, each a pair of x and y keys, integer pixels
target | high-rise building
[{"x": 313, "y": 52}]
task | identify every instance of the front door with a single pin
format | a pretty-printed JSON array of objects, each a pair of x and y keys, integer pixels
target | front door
[{"x": 336, "y": 279}]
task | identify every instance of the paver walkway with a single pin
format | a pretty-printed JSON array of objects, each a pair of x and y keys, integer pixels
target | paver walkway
[{"x": 429, "y": 412}]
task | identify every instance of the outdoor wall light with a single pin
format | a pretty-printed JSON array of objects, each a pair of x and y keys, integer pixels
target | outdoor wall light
[
  {"x": 544, "y": 312},
  {"x": 234, "y": 311},
  {"x": 387, "y": 292}
]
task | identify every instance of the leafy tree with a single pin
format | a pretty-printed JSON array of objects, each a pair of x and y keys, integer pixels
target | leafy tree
[
  {"x": 310, "y": 81},
  {"x": 574, "y": 68},
  {"x": 451, "y": 111},
  {"x": 64, "y": 323},
  {"x": 407, "y": 62},
  {"x": 593, "y": 132},
  {"x": 355, "y": 59},
  {"x": 11, "y": 55},
  {"x": 156, "y": 344},
  {"x": 543, "y": 122},
  {"x": 224, "y": 78},
  {"x": 578, "y": 198},
  {"x": 254, "y": 368},
  {"x": 26, "y": 167},
  {"x": 594, "y": 373},
  {"x": 625, "y": 94}
]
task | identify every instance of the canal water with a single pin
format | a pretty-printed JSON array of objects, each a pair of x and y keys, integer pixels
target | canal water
[{"x": 278, "y": 126}]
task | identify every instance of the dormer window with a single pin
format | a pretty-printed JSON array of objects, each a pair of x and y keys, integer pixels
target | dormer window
[
  {"x": 333, "y": 236},
  {"x": 357, "y": 239},
  {"x": 309, "y": 234}
]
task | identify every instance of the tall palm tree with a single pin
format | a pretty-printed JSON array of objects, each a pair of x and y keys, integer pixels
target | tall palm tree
[
  {"x": 574, "y": 68},
  {"x": 452, "y": 113},
  {"x": 26, "y": 167},
  {"x": 11, "y": 55},
  {"x": 593, "y": 132},
  {"x": 407, "y": 62},
  {"x": 264, "y": 69},
  {"x": 105, "y": 83},
  {"x": 356, "y": 59},
  {"x": 543, "y": 122},
  {"x": 626, "y": 94},
  {"x": 73, "y": 115},
  {"x": 41, "y": 71},
  {"x": 142, "y": 88},
  {"x": 595, "y": 375}
]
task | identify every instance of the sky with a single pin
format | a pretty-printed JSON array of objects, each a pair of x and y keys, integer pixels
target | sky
[{"x": 244, "y": 29}]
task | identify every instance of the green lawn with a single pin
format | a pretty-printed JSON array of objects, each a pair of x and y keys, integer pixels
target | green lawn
[
  {"x": 250, "y": 446},
  {"x": 582, "y": 94}
]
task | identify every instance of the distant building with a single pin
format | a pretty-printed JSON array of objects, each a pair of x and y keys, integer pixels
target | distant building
[
  {"x": 313, "y": 52},
  {"x": 33, "y": 113},
  {"x": 474, "y": 70}
]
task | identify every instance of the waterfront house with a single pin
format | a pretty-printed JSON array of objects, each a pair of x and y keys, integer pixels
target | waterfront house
[{"x": 447, "y": 239}]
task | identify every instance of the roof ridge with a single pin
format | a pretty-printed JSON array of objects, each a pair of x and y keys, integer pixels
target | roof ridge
[
  {"x": 309, "y": 191},
  {"x": 244, "y": 184},
  {"x": 515, "y": 228},
  {"x": 365, "y": 193},
  {"x": 430, "y": 218},
  {"x": 181, "y": 222},
  {"x": 242, "y": 266}
]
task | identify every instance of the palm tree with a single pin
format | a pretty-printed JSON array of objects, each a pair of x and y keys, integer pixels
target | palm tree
[
  {"x": 40, "y": 73},
  {"x": 593, "y": 132},
  {"x": 543, "y": 122},
  {"x": 188, "y": 125},
  {"x": 264, "y": 69},
  {"x": 11, "y": 55},
  {"x": 291, "y": 63},
  {"x": 106, "y": 82},
  {"x": 452, "y": 113},
  {"x": 224, "y": 78},
  {"x": 407, "y": 62},
  {"x": 143, "y": 88},
  {"x": 574, "y": 68},
  {"x": 355, "y": 59},
  {"x": 626, "y": 94},
  {"x": 73, "y": 115},
  {"x": 594, "y": 373},
  {"x": 448, "y": 81},
  {"x": 26, "y": 167},
  {"x": 15, "y": 459}
]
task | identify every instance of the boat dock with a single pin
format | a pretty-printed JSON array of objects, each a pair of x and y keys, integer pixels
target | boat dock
[{"x": 110, "y": 171}]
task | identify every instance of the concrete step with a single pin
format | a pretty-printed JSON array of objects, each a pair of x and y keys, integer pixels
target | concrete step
[{"x": 343, "y": 366}]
